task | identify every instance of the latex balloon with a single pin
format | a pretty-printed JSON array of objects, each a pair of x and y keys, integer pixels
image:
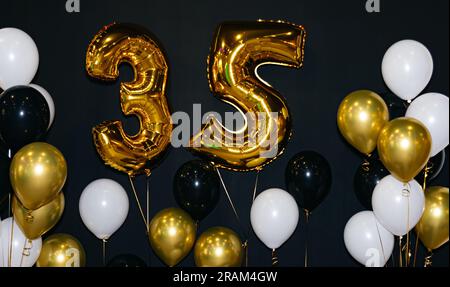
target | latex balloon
[
  {"x": 38, "y": 172},
  {"x": 144, "y": 97},
  {"x": 103, "y": 207},
  {"x": 433, "y": 167},
  {"x": 407, "y": 68},
  {"x": 24, "y": 116},
  {"x": 218, "y": 247},
  {"x": 398, "y": 206},
  {"x": 432, "y": 228},
  {"x": 16, "y": 250},
  {"x": 361, "y": 116},
  {"x": 396, "y": 106},
  {"x": 238, "y": 49},
  {"x": 432, "y": 110},
  {"x": 172, "y": 235},
  {"x": 274, "y": 217},
  {"x": 308, "y": 179},
  {"x": 367, "y": 240},
  {"x": 196, "y": 188},
  {"x": 367, "y": 176},
  {"x": 62, "y": 250},
  {"x": 35, "y": 223},
  {"x": 404, "y": 147},
  {"x": 19, "y": 58},
  {"x": 126, "y": 260},
  {"x": 50, "y": 103}
]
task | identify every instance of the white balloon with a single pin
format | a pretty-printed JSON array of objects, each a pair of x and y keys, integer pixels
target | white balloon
[
  {"x": 367, "y": 240},
  {"x": 407, "y": 68},
  {"x": 19, "y": 58},
  {"x": 432, "y": 110},
  {"x": 22, "y": 252},
  {"x": 49, "y": 99},
  {"x": 103, "y": 207},
  {"x": 274, "y": 217},
  {"x": 391, "y": 200}
]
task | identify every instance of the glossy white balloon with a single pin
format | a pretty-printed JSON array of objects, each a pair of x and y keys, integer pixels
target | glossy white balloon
[
  {"x": 274, "y": 217},
  {"x": 407, "y": 68},
  {"x": 19, "y": 58},
  {"x": 367, "y": 240},
  {"x": 24, "y": 252},
  {"x": 391, "y": 200},
  {"x": 49, "y": 99},
  {"x": 103, "y": 207},
  {"x": 432, "y": 110}
]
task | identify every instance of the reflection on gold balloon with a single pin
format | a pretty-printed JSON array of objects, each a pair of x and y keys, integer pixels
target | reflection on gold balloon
[
  {"x": 172, "y": 235},
  {"x": 361, "y": 116},
  {"x": 404, "y": 146},
  {"x": 34, "y": 223},
  {"x": 38, "y": 172},
  {"x": 143, "y": 97},
  {"x": 238, "y": 49},
  {"x": 61, "y": 250},
  {"x": 218, "y": 247},
  {"x": 432, "y": 228}
]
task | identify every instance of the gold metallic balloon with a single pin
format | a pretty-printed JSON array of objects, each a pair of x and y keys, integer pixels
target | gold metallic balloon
[
  {"x": 61, "y": 250},
  {"x": 432, "y": 228},
  {"x": 34, "y": 223},
  {"x": 38, "y": 172},
  {"x": 361, "y": 116},
  {"x": 238, "y": 49},
  {"x": 172, "y": 235},
  {"x": 218, "y": 247},
  {"x": 144, "y": 97},
  {"x": 404, "y": 146}
]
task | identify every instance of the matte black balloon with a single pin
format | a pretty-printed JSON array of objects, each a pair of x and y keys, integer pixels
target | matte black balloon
[
  {"x": 434, "y": 167},
  {"x": 196, "y": 187},
  {"x": 308, "y": 179},
  {"x": 24, "y": 116},
  {"x": 396, "y": 106},
  {"x": 367, "y": 176},
  {"x": 126, "y": 260}
]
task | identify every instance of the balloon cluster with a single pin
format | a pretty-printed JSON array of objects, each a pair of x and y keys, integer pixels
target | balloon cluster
[
  {"x": 404, "y": 145},
  {"x": 37, "y": 171}
]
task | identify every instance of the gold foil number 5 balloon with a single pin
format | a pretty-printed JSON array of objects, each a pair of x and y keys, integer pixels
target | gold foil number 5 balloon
[{"x": 144, "y": 97}]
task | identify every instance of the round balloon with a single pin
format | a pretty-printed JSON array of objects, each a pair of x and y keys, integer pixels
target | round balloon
[
  {"x": 433, "y": 168},
  {"x": 50, "y": 103},
  {"x": 61, "y": 250}
]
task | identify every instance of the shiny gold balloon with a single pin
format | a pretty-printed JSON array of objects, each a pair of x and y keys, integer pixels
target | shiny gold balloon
[
  {"x": 432, "y": 228},
  {"x": 172, "y": 235},
  {"x": 61, "y": 250},
  {"x": 218, "y": 247},
  {"x": 238, "y": 49},
  {"x": 38, "y": 172},
  {"x": 34, "y": 223},
  {"x": 361, "y": 116},
  {"x": 144, "y": 97},
  {"x": 404, "y": 146}
]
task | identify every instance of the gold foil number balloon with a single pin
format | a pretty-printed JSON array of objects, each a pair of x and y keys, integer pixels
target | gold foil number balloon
[
  {"x": 432, "y": 228},
  {"x": 172, "y": 235},
  {"x": 38, "y": 172},
  {"x": 218, "y": 247},
  {"x": 238, "y": 49},
  {"x": 61, "y": 250},
  {"x": 143, "y": 97}
]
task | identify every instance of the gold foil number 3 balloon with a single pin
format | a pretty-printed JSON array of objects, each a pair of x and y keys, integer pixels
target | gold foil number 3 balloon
[
  {"x": 239, "y": 48},
  {"x": 143, "y": 97}
]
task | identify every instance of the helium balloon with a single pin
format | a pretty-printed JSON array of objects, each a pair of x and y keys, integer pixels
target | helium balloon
[
  {"x": 396, "y": 106},
  {"x": 433, "y": 167},
  {"x": 49, "y": 99},
  {"x": 126, "y": 261},
  {"x": 38, "y": 173},
  {"x": 196, "y": 187},
  {"x": 61, "y": 250},
  {"x": 361, "y": 116}
]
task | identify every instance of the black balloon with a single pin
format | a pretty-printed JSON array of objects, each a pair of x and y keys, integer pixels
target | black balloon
[
  {"x": 24, "y": 116},
  {"x": 396, "y": 106},
  {"x": 126, "y": 260},
  {"x": 5, "y": 185},
  {"x": 308, "y": 179},
  {"x": 367, "y": 176},
  {"x": 196, "y": 187},
  {"x": 434, "y": 167}
]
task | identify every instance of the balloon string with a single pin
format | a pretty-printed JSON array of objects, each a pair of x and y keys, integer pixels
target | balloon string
[
  {"x": 416, "y": 248},
  {"x": 26, "y": 250},
  {"x": 11, "y": 242},
  {"x": 104, "y": 251},
  {"x": 245, "y": 246},
  {"x": 425, "y": 175},
  {"x": 274, "y": 258},
  {"x": 256, "y": 185},
  {"x": 429, "y": 259},
  {"x": 381, "y": 242},
  {"x": 408, "y": 252},
  {"x": 366, "y": 164},
  {"x": 138, "y": 203},
  {"x": 9, "y": 204},
  {"x": 400, "y": 263},
  {"x": 147, "y": 189},
  {"x": 306, "y": 235}
]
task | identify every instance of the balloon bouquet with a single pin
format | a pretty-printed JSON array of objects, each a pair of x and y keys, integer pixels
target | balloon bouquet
[
  {"x": 35, "y": 171},
  {"x": 404, "y": 145}
]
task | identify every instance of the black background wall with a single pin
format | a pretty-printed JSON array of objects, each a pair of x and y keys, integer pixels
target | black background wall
[{"x": 344, "y": 49}]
